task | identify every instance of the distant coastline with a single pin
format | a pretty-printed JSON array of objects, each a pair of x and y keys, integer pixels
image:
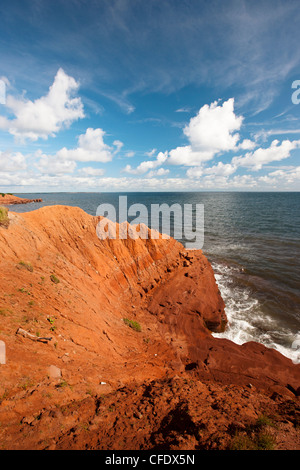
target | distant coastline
[{"x": 10, "y": 199}]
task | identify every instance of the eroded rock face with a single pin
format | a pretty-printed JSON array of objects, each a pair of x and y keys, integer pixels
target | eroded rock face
[
  {"x": 9, "y": 199},
  {"x": 59, "y": 280}
]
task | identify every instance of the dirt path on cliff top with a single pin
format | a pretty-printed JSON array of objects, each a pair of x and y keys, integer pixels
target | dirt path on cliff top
[{"x": 161, "y": 382}]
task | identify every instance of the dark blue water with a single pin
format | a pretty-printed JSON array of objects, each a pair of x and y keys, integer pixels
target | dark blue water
[{"x": 253, "y": 243}]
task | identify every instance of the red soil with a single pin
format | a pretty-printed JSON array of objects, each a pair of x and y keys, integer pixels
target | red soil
[
  {"x": 169, "y": 386},
  {"x": 9, "y": 199}
]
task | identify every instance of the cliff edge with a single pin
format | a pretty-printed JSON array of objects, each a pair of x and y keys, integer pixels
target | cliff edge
[{"x": 109, "y": 346}]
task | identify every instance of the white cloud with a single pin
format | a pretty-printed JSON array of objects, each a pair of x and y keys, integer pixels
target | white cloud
[
  {"x": 47, "y": 115},
  {"x": 211, "y": 131},
  {"x": 31, "y": 182},
  {"x": 11, "y": 162},
  {"x": 91, "y": 148},
  {"x": 150, "y": 153},
  {"x": 263, "y": 156},
  {"x": 188, "y": 157},
  {"x": 53, "y": 165},
  {"x": 89, "y": 171},
  {"x": 129, "y": 154},
  {"x": 147, "y": 165},
  {"x": 183, "y": 110},
  {"x": 221, "y": 169},
  {"x": 213, "y": 128},
  {"x": 159, "y": 172},
  {"x": 118, "y": 144},
  {"x": 247, "y": 145},
  {"x": 195, "y": 172},
  {"x": 282, "y": 177}
]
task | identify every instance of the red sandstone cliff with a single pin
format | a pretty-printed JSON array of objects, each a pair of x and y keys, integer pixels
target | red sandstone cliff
[
  {"x": 170, "y": 385},
  {"x": 10, "y": 199}
]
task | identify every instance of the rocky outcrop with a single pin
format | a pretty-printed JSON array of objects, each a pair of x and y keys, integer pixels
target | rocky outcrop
[
  {"x": 62, "y": 284},
  {"x": 9, "y": 199}
]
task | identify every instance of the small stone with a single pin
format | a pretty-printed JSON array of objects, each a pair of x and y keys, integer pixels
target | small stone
[
  {"x": 2, "y": 353},
  {"x": 54, "y": 372}
]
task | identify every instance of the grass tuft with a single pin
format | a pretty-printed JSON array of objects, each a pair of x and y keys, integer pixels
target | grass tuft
[
  {"x": 54, "y": 279},
  {"x": 4, "y": 220},
  {"x": 26, "y": 265},
  {"x": 132, "y": 324}
]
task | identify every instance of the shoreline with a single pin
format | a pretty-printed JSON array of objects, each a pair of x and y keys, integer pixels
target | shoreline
[{"x": 10, "y": 199}]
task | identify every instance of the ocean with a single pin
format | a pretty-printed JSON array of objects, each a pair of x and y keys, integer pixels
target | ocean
[{"x": 253, "y": 243}]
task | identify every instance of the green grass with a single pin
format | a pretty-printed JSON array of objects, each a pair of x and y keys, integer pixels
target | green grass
[
  {"x": 132, "y": 324},
  {"x": 4, "y": 220},
  {"x": 63, "y": 384},
  {"x": 264, "y": 420},
  {"x": 22, "y": 289},
  {"x": 26, "y": 265},
  {"x": 265, "y": 441},
  {"x": 54, "y": 279},
  {"x": 260, "y": 441},
  {"x": 256, "y": 437}
]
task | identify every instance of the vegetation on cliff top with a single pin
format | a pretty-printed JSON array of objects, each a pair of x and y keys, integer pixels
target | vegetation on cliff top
[{"x": 4, "y": 220}]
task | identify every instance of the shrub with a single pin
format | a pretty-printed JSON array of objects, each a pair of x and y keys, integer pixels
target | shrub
[
  {"x": 241, "y": 442},
  {"x": 54, "y": 279},
  {"x": 265, "y": 441},
  {"x": 4, "y": 220},
  {"x": 256, "y": 436},
  {"x": 26, "y": 265},
  {"x": 132, "y": 324}
]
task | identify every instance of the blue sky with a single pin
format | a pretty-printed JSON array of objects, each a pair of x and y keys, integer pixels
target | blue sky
[{"x": 129, "y": 95}]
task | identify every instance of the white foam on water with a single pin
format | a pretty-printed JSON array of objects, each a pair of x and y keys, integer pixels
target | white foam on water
[{"x": 245, "y": 316}]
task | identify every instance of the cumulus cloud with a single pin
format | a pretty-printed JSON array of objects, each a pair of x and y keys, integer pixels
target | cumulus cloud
[
  {"x": 247, "y": 144},
  {"x": 159, "y": 172},
  {"x": 53, "y": 165},
  {"x": 188, "y": 156},
  {"x": 89, "y": 171},
  {"x": 262, "y": 156},
  {"x": 211, "y": 131},
  {"x": 47, "y": 115},
  {"x": 214, "y": 130},
  {"x": 284, "y": 177},
  {"x": 91, "y": 148},
  {"x": 11, "y": 162},
  {"x": 147, "y": 165},
  {"x": 221, "y": 169}
]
